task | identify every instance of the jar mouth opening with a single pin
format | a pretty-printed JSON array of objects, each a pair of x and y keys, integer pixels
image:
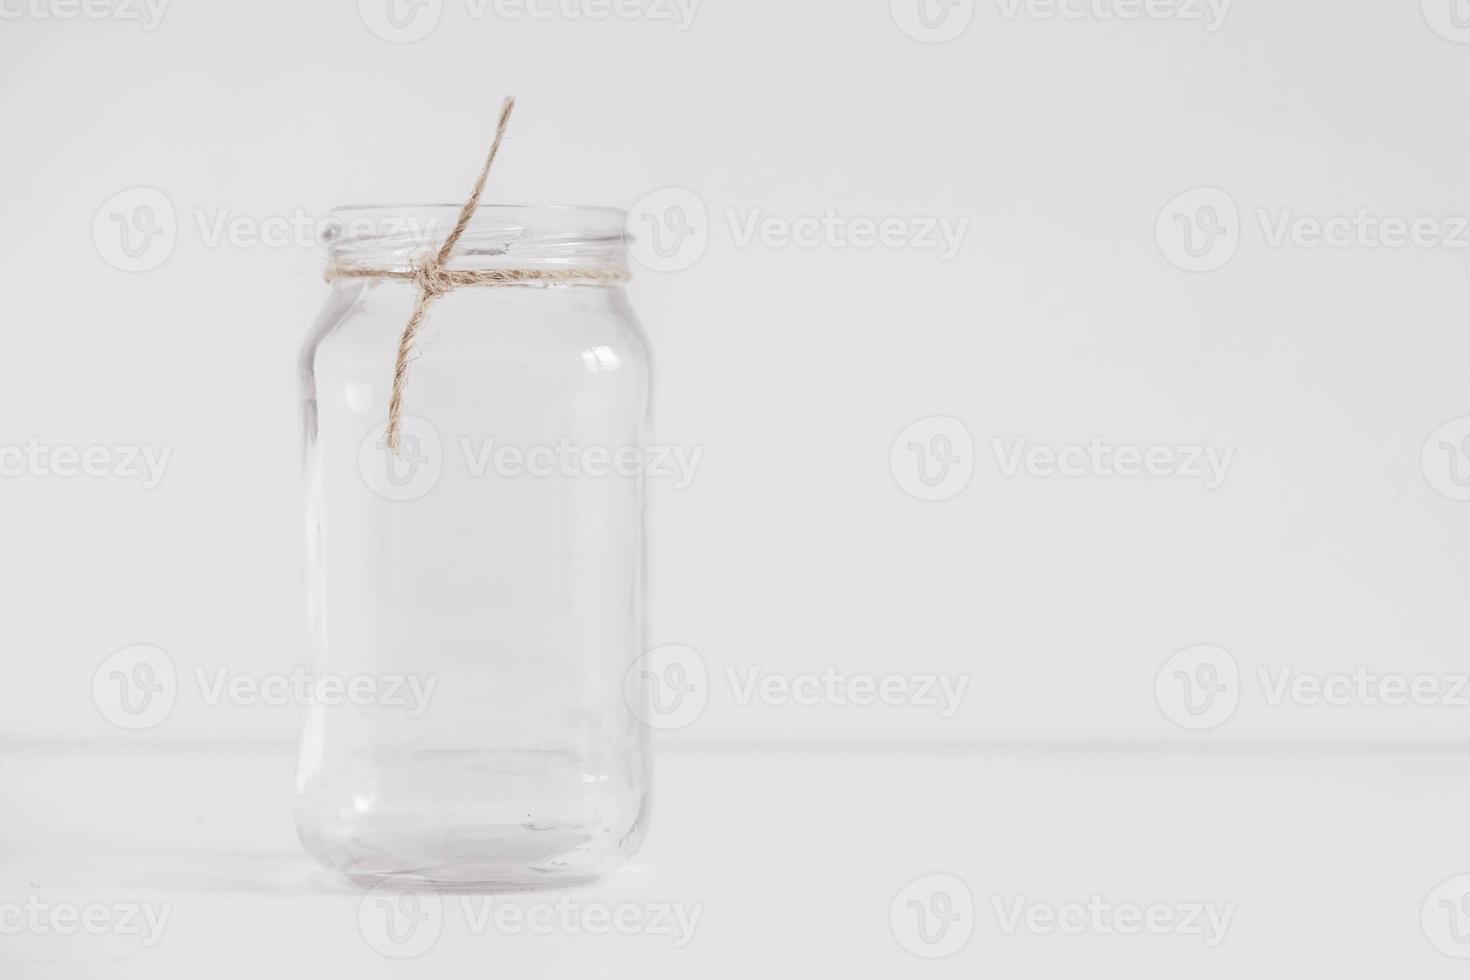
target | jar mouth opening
[{"x": 396, "y": 236}]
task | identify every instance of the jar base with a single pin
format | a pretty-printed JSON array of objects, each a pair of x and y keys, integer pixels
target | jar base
[
  {"x": 491, "y": 858},
  {"x": 496, "y": 884}
]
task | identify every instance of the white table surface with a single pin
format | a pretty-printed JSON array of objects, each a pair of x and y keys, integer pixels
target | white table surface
[{"x": 792, "y": 860}]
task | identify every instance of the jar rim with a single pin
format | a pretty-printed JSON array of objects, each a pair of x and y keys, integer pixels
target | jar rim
[
  {"x": 397, "y": 235},
  {"x": 591, "y": 209}
]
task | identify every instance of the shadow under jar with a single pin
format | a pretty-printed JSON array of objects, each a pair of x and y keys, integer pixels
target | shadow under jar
[{"x": 475, "y": 600}]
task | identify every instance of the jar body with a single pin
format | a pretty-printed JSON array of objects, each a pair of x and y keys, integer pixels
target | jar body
[{"x": 476, "y": 599}]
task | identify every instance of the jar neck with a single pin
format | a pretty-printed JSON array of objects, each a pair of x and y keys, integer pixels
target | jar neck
[{"x": 397, "y": 238}]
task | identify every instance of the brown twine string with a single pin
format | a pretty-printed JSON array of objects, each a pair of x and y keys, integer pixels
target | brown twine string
[{"x": 434, "y": 279}]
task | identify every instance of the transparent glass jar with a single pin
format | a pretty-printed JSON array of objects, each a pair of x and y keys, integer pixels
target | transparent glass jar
[{"x": 475, "y": 600}]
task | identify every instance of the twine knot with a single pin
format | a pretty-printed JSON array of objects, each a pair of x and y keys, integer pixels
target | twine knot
[{"x": 434, "y": 278}]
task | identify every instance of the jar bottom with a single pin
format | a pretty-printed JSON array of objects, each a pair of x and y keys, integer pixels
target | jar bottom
[
  {"x": 492, "y": 857},
  {"x": 454, "y": 824},
  {"x": 501, "y": 857}
]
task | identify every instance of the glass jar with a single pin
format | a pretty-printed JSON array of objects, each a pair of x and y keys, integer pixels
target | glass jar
[{"x": 476, "y": 598}]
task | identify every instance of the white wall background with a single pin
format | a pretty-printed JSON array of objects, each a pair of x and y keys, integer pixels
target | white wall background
[{"x": 1061, "y": 318}]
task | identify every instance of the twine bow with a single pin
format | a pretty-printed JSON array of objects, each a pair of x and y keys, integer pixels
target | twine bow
[{"x": 434, "y": 278}]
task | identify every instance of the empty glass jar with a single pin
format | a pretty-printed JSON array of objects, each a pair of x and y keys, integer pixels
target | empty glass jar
[{"x": 476, "y": 598}]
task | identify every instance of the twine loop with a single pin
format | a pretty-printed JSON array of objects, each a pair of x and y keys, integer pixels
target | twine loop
[{"x": 434, "y": 278}]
